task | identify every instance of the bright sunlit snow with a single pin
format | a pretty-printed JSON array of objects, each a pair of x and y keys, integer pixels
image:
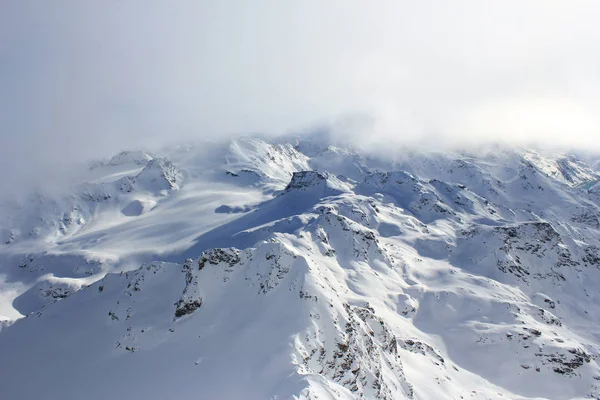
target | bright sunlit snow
[{"x": 296, "y": 269}]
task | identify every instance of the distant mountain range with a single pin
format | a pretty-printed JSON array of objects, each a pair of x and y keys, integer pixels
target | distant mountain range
[{"x": 295, "y": 269}]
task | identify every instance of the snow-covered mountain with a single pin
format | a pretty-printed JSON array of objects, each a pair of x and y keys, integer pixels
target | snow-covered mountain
[{"x": 275, "y": 269}]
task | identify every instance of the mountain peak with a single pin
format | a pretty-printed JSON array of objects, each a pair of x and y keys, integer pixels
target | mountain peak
[
  {"x": 262, "y": 269},
  {"x": 324, "y": 183},
  {"x": 159, "y": 174},
  {"x": 306, "y": 179}
]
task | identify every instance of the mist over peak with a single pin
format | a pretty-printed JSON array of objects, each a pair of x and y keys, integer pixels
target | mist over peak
[{"x": 81, "y": 81}]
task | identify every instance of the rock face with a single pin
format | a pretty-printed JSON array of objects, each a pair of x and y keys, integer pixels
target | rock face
[
  {"x": 442, "y": 276},
  {"x": 306, "y": 179},
  {"x": 313, "y": 182}
]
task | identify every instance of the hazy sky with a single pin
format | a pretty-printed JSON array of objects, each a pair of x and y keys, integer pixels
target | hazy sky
[{"x": 83, "y": 79}]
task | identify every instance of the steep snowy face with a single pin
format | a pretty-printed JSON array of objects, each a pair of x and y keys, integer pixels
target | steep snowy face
[
  {"x": 253, "y": 161},
  {"x": 430, "y": 200},
  {"x": 568, "y": 169},
  {"x": 259, "y": 270},
  {"x": 159, "y": 175},
  {"x": 48, "y": 217}
]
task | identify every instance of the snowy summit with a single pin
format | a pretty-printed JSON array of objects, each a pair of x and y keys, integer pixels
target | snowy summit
[{"x": 268, "y": 269}]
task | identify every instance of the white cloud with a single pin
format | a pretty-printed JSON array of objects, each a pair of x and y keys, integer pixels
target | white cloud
[{"x": 81, "y": 79}]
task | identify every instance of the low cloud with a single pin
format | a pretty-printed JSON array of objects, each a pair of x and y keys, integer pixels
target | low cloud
[{"x": 82, "y": 80}]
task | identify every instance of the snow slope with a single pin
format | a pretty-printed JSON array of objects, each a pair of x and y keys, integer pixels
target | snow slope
[{"x": 270, "y": 270}]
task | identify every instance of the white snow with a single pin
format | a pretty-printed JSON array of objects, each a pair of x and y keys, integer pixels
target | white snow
[{"x": 271, "y": 270}]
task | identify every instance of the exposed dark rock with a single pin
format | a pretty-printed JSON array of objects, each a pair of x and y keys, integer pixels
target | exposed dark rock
[{"x": 186, "y": 308}]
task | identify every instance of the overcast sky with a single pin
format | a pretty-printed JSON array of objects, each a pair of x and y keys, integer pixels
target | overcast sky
[{"x": 82, "y": 79}]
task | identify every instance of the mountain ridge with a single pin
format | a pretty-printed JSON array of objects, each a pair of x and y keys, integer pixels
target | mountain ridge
[{"x": 326, "y": 274}]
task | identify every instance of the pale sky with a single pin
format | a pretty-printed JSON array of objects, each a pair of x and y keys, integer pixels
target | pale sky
[{"x": 82, "y": 79}]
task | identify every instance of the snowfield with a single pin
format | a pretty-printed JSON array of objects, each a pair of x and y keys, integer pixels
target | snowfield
[{"x": 275, "y": 269}]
